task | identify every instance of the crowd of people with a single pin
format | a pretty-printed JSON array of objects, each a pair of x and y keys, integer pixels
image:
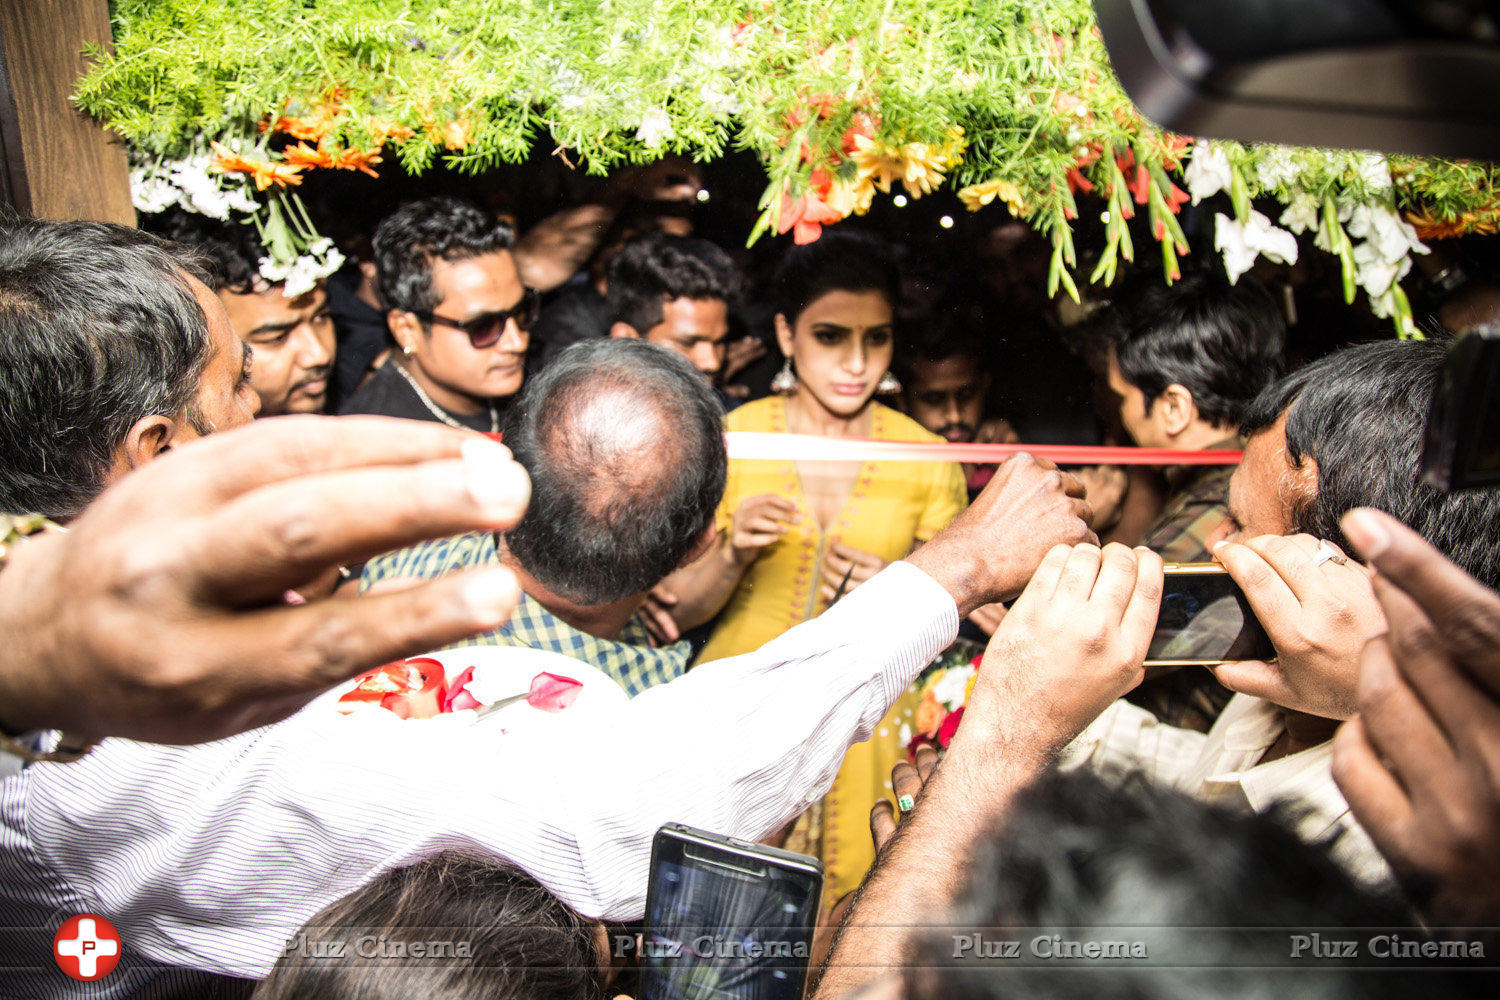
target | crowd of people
[{"x": 175, "y": 602}]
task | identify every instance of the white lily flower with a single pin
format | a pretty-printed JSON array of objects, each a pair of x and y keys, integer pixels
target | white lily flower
[
  {"x": 655, "y": 129},
  {"x": 273, "y": 270},
  {"x": 1302, "y": 214},
  {"x": 950, "y": 689},
  {"x": 1208, "y": 172},
  {"x": 1242, "y": 242},
  {"x": 1277, "y": 168},
  {"x": 1375, "y": 273},
  {"x": 1374, "y": 170},
  {"x": 151, "y": 192},
  {"x": 1383, "y": 226}
]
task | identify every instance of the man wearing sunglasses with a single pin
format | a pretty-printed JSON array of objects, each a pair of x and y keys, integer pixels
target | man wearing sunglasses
[{"x": 459, "y": 314}]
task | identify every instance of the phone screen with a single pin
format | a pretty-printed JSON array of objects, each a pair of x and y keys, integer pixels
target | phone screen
[
  {"x": 1206, "y": 619},
  {"x": 726, "y": 923}
]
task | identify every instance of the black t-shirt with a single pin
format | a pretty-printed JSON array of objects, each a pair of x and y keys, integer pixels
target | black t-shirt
[
  {"x": 387, "y": 394},
  {"x": 362, "y": 335}
]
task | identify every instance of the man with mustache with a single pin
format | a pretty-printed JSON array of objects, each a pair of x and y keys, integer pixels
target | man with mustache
[{"x": 289, "y": 331}]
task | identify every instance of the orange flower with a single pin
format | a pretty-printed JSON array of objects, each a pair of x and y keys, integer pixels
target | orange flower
[
  {"x": 930, "y": 715},
  {"x": 382, "y": 132},
  {"x": 457, "y": 134},
  {"x": 806, "y": 216},
  {"x": 330, "y": 156},
  {"x": 263, "y": 172},
  {"x": 1429, "y": 227}
]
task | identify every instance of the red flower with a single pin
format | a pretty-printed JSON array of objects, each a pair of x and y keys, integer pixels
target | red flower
[
  {"x": 1078, "y": 182},
  {"x": 1141, "y": 189},
  {"x": 411, "y": 689},
  {"x": 805, "y": 216},
  {"x": 949, "y": 727}
]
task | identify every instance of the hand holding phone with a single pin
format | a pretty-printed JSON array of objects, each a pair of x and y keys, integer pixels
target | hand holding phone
[{"x": 1317, "y": 615}]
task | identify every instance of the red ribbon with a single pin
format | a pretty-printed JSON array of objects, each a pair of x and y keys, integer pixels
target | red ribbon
[{"x": 752, "y": 445}]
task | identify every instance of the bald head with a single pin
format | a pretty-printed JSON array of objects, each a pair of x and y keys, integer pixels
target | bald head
[{"x": 625, "y": 448}]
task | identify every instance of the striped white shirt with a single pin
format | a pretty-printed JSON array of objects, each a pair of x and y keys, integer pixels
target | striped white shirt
[{"x": 210, "y": 857}]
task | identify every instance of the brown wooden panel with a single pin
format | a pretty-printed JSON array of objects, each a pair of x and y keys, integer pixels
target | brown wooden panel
[{"x": 69, "y": 168}]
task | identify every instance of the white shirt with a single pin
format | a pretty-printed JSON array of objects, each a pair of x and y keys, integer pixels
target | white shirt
[
  {"x": 1221, "y": 767},
  {"x": 210, "y": 857}
]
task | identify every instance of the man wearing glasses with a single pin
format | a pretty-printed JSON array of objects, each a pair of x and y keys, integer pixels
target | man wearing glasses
[{"x": 458, "y": 313}]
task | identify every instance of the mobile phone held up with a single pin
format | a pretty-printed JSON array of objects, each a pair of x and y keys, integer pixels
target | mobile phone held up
[
  {"x": 726, "y": 919},
  {"x": 1204, "y": 619}
]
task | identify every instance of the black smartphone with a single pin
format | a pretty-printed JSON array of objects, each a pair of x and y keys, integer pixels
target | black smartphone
[
  {"x": 726, "y": 918},
  {"x": 1204, "y": 619}
]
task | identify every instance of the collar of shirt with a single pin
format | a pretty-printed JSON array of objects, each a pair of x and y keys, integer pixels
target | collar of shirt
[
  {"x": 1249, "y": 727},
  {"x": 1180, "y": 477}
]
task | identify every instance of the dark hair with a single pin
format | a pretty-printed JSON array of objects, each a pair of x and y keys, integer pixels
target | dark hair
[
  {"x": 837, "y": 262},
  {"x": 1086, "y": 861},
  {"x": 408, "y": 240},
  {"x": 656, "y": 268},
  {"x": 453, "y": 927},
  {"x": 1223, "y": 343},
  {"x": 1361, "y": 414},
  {"x": 231, "y": 250},
  {"x": 624, "y": 444},
  {"x": 98, "y": 329},
  {"x": 955, "y": 329}
]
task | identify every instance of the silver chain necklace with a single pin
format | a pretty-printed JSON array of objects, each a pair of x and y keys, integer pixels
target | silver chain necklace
[{"x": 438, "y": 411}]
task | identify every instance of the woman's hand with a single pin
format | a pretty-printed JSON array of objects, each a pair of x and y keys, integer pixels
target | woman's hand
[
  {"x": 758, "y": 522},
  {"x": 841, "y": 560}
]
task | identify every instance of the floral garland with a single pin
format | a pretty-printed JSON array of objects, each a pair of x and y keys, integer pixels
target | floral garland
[{"x": 1010, "y": 102}]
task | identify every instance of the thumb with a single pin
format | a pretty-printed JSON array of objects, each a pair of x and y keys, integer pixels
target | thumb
[{"x": 1255, "y": 678}]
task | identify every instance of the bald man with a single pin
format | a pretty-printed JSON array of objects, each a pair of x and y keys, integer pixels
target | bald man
[{"x": 623, "y": 442}]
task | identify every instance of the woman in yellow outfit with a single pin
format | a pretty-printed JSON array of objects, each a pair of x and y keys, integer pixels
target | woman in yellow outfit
[{"x": 793, "y": 535}]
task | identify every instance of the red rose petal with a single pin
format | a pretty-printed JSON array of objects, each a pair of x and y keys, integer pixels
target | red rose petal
[{"x": 552, "y": 693}]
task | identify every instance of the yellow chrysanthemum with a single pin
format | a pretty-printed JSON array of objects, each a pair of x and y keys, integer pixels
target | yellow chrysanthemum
[
  {"x": 850, "y": 197},
  {"x": 876, "y": 163},
  {"x": 977, "y": 196}
]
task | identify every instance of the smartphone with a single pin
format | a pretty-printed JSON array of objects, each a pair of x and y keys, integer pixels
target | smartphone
[
  {"x": 726, "y": 918},
  {"x": 1204, "y": 619}
]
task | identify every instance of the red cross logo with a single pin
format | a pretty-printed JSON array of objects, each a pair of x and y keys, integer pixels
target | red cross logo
[{"x": 86, "y": 947}]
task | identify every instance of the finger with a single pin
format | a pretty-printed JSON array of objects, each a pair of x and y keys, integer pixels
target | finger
[
  {"x": 1073, "y": 486},
  {"x": 927, "y": 760},
  {"x": 1256, "y": 678},
  {"x": 1466, "y": 613},
  {"x": 1084, "y": 511},
  {"x": 1418, "y": 649},
  {"x": 905, "y": 782},
  {"x": 664, "y": 597},
  {"x": 1292, "y": 559},
  {"x": 660, "y": 624},
  {"x": 1043, "y": 585},
  {"x": 271, "y": 537},
  {"x": 268, "y": 451},
  {"x": 882, "y": 824},
  {"x": 1080, "y": 572},
  {"x": 1397, "y": 725},
  {"x": 758, "y": 539},
  {"x": 1139, "y": 620},
  {"x": 274, "y": 658},
  {"x": 1116, "y": 581},
  {"x": 772, "y": 502},
  {"x": 1265, "y": 590},
  {"x": 1373, "y": 794}
]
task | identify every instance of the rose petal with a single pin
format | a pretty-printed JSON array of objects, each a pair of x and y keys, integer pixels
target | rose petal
[{"x": 552, "y": 693}]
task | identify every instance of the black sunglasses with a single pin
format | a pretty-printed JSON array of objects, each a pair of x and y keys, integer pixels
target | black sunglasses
[{"x": 486, "y": 329}]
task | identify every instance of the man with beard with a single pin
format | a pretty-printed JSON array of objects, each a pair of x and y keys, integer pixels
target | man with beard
[{"x": 289, "y": 330}]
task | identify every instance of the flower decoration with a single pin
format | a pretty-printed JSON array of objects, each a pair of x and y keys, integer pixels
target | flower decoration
[{"x": 1012, "y": 102}]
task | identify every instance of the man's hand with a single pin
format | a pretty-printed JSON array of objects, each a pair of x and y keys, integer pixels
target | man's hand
[
  {"x": 160, "y": 614},
  {"x": 741, "y": 354},
  {"x": 844, "y": 559},
  {"x": 991, "y": 549},
  {"x": 1318, "y": 618},
  {"x": 1073, "y": 642},
  {"x": 907, "y": 781},
  {"x": 759, "y": 521},
  {"x": 656, "y": 615},
  {"x": 988, "y": 617},
  {"x": 1420, "y": 765}
]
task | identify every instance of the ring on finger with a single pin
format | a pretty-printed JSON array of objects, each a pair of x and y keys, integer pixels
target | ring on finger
[
  {"x": 905, "y": 803},
  {"x": 1328, "y": 553}
]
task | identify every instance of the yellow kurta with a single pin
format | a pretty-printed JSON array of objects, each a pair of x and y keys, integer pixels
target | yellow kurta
[{"x": 893, "y": 505}]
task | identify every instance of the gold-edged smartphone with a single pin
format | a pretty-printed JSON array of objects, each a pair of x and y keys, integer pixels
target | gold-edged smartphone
[{"x": 1204, "y": 620}]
